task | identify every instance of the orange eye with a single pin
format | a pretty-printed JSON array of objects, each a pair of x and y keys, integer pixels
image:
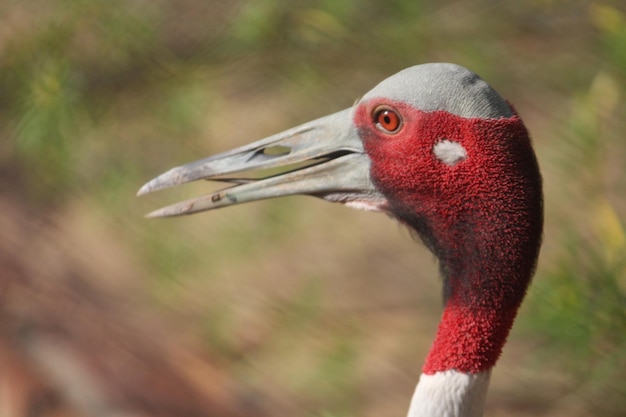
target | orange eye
[{"x": 387, "y": 119}]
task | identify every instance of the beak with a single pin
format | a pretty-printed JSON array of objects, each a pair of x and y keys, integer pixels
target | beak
[{"x": 324, "y": 158}]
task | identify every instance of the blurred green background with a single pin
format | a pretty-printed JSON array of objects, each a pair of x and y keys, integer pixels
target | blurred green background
[{"x": 293, "y": 306}]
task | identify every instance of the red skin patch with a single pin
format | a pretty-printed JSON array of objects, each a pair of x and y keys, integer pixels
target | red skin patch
[{"x": 482, "y": 217}]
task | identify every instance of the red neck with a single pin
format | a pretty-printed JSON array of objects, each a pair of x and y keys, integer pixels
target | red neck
[
  {"x": 486, "y": 274},
  {"x": 469, "y": 339}
]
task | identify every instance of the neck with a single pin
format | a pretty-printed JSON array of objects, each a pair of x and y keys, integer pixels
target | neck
[
  {"x": 450, "y": 394},
  {"x": 456, "y": 373},
  {"x": 485, "y": 280},
  {"x": 481, "y": 302},
  {"x": 471, "y": 336}
]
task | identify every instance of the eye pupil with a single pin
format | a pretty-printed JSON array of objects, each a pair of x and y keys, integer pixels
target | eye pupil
[{"x": 387, "y": 120}]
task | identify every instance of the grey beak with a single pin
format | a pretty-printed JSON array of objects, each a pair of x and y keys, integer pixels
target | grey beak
[{"x": 323, "y": 158}]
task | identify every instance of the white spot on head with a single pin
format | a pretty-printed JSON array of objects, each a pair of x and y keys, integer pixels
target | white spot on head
[{"x": 449, "y": 152}]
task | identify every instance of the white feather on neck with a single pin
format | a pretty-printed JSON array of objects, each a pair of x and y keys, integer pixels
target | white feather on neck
[{"x": 450, "y": 394}]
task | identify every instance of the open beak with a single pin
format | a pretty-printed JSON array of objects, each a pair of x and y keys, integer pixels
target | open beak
[{"x": 323, "y": 158}]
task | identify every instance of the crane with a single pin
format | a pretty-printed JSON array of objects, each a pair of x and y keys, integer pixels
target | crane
[{"x": 437, "y": 148}]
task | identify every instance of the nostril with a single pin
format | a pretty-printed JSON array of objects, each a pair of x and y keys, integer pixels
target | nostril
[
  {"x": 276, "y": 150},
  {"x": 269, "y": 152}
]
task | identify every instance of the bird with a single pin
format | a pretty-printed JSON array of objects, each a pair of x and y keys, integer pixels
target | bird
[{"x": 435, "y": 147}]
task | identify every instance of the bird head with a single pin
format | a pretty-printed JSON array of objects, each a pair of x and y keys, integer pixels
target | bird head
[
  {"x": 434, "y": 146},
  {"x": 454, "y": 162}
]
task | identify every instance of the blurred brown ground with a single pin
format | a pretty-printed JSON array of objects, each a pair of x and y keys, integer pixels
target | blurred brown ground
[{"x": 75, "y": 339}]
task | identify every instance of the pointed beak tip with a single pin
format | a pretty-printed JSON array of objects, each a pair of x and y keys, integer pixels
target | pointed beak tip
[
  {"x": 162, "y": 213},
  {"x": 149, "y": 187},
  {"x": 168, "y": 179},
  {"x": 142, "y": 191},
  {"x": 153, "y": 215}
]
